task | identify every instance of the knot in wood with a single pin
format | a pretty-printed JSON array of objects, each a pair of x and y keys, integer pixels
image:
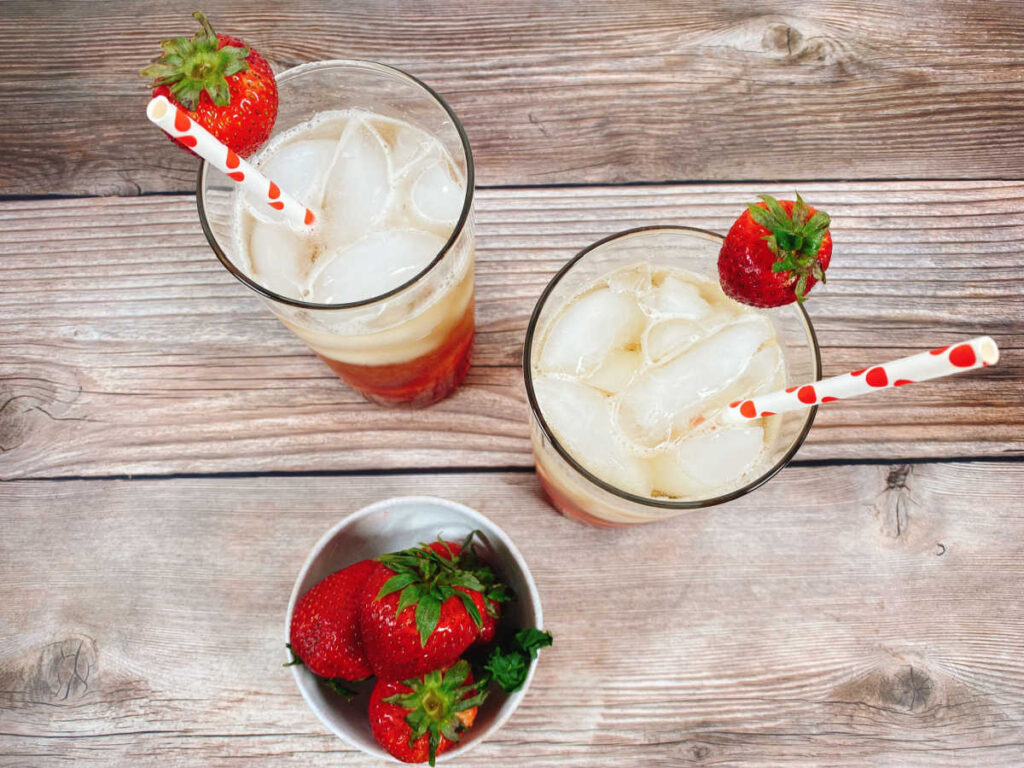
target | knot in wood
[
  {"x": 910, "y": 689},
  {"x": 784, "y": 40},
  {"x": 33, "y": 404},
  {"x": 894, "y": 502},
  {"x": 700, "y": 752},
  {"x": 65, "y": 668},
  {"x": 897, "y": 479}
]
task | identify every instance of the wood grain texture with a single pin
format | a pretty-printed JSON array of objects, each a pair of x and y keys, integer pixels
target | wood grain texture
[
  {"x": 842, "y": 616},
  {"x": 129, "y": 349},
  {"x": 556, "y": 91}
]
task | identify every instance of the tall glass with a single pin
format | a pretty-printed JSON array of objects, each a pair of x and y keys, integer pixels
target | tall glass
[
  {"x": 577, "y": 492},
  {"x": 412, "y": 345}
]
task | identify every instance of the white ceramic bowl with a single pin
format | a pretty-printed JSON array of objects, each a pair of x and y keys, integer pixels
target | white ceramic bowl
[{"x": 400, "y": 523}]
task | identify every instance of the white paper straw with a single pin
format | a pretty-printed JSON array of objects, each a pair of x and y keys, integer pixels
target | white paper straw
[
  {"x": 178, "y": 124},
  {"x": 944, "y": 361}
]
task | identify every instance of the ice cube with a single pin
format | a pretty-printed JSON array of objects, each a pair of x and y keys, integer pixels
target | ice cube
[
  {"x": 405, "y": 142},
  {"x": 588, "y": 329},
  {"x": 374, "y": 265},
  {"x": 712, "y": 461},
  {"x": 280, "y": 258},
  {"x": 299, "y": 168},
  {"x": 635, "y": 280},
  {"x": 671, "y": 398},
  {"x": 617, "y": 370},
  {"x": 358, "y": 189},
  {"x": 762, "y": 374},
  {"x": 669, "y": 337},
  {"x": 675, "y": 298},
  {"x": 410, "y": 143},
  {"x": 437, "y": 194},
  {"x": 581, "y": 419}
]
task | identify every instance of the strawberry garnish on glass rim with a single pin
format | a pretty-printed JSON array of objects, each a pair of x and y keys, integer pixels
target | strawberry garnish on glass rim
[
  {"x": 225, "y": 85},
  {"x": 775, "y": 252},
  {"x": 795, "y": 239}
]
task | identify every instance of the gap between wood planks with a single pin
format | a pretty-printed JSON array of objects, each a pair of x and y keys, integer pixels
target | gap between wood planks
[
  {"x": 511, "y": 469},
  {"x": 586, "y": 185}
]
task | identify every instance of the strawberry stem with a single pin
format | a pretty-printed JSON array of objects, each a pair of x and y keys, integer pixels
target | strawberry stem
[{"x": 205, "y": 24}]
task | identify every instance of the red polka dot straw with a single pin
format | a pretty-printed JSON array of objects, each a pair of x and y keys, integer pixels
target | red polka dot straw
[
  {"x": 943, "y": 361},
  {"x": 179, "y": 125}
]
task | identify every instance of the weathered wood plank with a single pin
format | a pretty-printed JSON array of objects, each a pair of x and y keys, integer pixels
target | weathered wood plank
[
  {"x": 553, "y": 91},
  {"x": 842, "y": 616},
  {"x": 128, "y": 349}
]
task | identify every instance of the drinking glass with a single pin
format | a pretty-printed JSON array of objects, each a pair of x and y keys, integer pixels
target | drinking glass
[
  {"x": 577, "y": 492},
  {"x": 409, "y": 346}
]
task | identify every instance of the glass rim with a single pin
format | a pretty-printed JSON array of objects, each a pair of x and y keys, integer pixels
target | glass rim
[
  {"x": 460, "y": 225},
  {"x": 648, "y": 501}
]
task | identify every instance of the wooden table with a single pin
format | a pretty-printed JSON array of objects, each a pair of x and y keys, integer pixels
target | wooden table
[{"x": 170, "y": 453}]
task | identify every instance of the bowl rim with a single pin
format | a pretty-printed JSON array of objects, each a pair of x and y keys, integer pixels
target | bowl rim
[{"x": 487, "y": 526}]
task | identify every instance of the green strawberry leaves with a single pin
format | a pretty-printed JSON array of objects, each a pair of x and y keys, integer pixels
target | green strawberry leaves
[
  {"x": 532, "y": 640},
  {"x": 507, "y": 669},
  {"x": 296, "y": 661},
  {"x": 337, "y": 685},
  {"x": 795, "y": 240},
  {"x": 426, "y": 579},
  {"x": 814, "y": 232},
  {"x": 509, "y": 665},
  {"x": 819, "y": 222},
  {"x": 801, "y": 211},
  {"x": 470, "y": 606},
  {"x": 775, "y": 208},
  {"x": 761, "y": 216},
  {"x": 428, "y": 613},
  {"x": 802, "y": 233},
  {"x": 434, "y": 703},
  {"x": 400, "y": 580},
  {"x": 492, "y": 589},
  {"x": 190, "y": 66}
]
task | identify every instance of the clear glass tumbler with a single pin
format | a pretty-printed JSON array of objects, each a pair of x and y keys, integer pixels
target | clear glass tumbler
[
  {"x": 412, "y": 345},
  {"x": 577, "y": 492}
]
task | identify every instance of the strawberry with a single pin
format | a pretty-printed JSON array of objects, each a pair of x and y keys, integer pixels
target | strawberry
[
  {"x": 495, "y": 593},
  {"x": 775, "y": 252},
  {"x": 492, "y": 614},
  {"x": 324, "y": 632},
  {"x": 225, "y": 86},
  {"x": 489, "y": 625},
  {"x": 420, "y": 718},
  {"x": 423, "y": 607}
]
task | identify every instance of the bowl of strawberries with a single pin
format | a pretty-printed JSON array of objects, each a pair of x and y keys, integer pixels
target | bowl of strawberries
[{"x": 413, "y": 629}]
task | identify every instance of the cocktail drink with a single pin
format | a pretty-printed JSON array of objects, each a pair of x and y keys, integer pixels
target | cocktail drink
[
  {"x": 631, "y": 356},
  {"x": 382, "y": 287}
]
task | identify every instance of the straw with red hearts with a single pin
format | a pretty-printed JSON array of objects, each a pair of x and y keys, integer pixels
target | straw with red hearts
[
  {"x": 186, "y": 130},
  {"x": 974, "y": 353}
]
